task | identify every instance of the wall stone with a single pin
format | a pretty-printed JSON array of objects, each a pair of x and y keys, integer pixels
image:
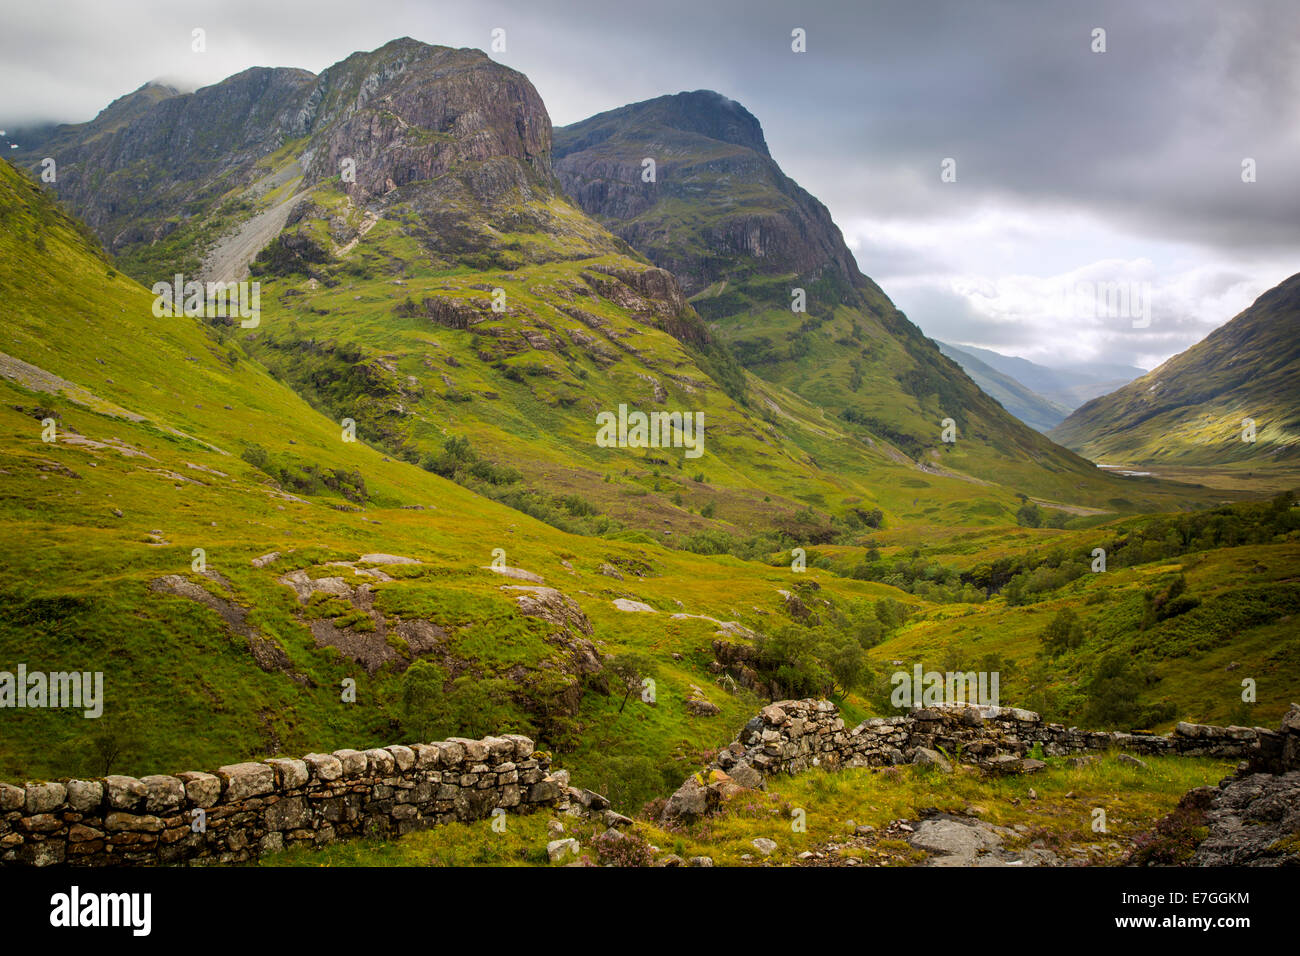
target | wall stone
[
  {"x": 794, "y": 735},
  {"x": 262, "y": 806}
]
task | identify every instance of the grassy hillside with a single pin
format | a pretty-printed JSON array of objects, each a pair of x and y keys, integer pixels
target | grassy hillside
[
  {"x": 1191, "y": 412},
  {"x": 182, "y": 509}
]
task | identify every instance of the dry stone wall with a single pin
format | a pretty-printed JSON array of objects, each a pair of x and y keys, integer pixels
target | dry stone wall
[
  {"x": 245, "y": 809},
  {"x": 794, "y": 735}
]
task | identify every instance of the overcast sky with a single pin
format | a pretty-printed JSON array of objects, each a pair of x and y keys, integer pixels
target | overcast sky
[{"x": 1072, "y": 166}]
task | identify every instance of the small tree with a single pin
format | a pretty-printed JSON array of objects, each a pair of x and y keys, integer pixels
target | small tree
[
  {"x": 1064, "y": 633},
  {"x": 630, "y": 668},
  {"x": 1029, "y": 516}
]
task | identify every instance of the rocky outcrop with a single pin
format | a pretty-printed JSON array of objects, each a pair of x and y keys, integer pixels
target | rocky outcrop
[
  {"x": 1251, "y": 819},
  {"x": 268, "y": 654},
  {"x": 465, "y": 141},
  {"x": 411, "y": 112},
  {"x": 129, "y": 171},
  {"x": 243, "y": 810}
]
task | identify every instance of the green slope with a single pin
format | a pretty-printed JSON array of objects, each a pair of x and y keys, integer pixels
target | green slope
[
  {"x": 153, "y": 456},
  {"x": 1191, "y": 412}
]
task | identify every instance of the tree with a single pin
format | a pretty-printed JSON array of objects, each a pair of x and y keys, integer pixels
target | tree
[
  {"x": 1029, "y": 516},
  {"x": 1064, "y": 633},
  {"x": 424, "y": 704},
  {"x": 630, "y": 668}
]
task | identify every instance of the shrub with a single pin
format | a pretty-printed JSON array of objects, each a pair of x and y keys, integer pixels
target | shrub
[{"x": 622, "y": 849}]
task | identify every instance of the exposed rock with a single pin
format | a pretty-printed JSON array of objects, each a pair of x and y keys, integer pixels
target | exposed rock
[
  {"x": 700, "y": 707},
  {"x": 551, "y": 606},
  {"x": 924, "y": 756},
  {"x": 625, "y": 604},
  {"x": 519, "y": 574},
  {"x": 963, "y": 841},
  {"x": 559, "y": 849},
  {"x": 268, "y": 654},
  {"x": 1254, "y": 821}
]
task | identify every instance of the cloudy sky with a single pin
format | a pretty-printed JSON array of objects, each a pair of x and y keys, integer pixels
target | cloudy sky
[{"x": 1076, "y": 172}]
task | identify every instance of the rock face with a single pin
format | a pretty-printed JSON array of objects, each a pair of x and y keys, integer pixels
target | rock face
[
  {"x": 247, "y": 809},
  {"x": 409, "y": 111},
  {"x": 1253, "y": 819},
  {"x": 698, "y": 140},
  {"x": 472, "y": 136},
  {"x": 194, "y": 147}
]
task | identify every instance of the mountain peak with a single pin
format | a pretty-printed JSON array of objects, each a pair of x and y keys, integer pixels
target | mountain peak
[
  {"x": 709, "y": 151},
  {"x": 711, "y": 114},
  {"x": 703, "y": 113}
]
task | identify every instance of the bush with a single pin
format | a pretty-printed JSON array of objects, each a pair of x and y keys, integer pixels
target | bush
[
  {"x": 1029, "y": 516},
  {"x": 1115, "y": 696},
  {"x": 622, "y": 849},
  {"x": 1064, "y": 633}
]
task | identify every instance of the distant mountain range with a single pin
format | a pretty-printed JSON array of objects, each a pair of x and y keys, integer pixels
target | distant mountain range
[
  {"x": 1033, "y": 409},
  {"x": 1068, "y": 385}
]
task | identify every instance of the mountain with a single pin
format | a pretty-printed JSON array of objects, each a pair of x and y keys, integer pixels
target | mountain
[
  {"x": 1068, "y": 385},
  {"x": 1191, "y": 410},
  {"x": 719, "y": 210},
  {"x": 1028, "y": 406},
  {"x": 422, "y": 273},
  {"x": 747, "y": 241}
]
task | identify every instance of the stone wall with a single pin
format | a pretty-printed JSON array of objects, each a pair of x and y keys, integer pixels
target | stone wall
[
  {"x": 252, "y": 808},
  {"x": 793, "y": 735}
]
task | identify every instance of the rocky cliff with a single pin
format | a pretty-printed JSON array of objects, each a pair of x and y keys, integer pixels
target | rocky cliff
[{"x": 713, "y": 175}]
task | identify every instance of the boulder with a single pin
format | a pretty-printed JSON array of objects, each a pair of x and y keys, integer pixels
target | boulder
[
  {"x": 559, "y": 849},
  {"x": 690, "y": 802}
]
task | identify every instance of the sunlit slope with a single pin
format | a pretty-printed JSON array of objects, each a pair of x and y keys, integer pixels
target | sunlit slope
[
  {"x": 149, "y": 460},
  {"x": 1231, "y": 401}
]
